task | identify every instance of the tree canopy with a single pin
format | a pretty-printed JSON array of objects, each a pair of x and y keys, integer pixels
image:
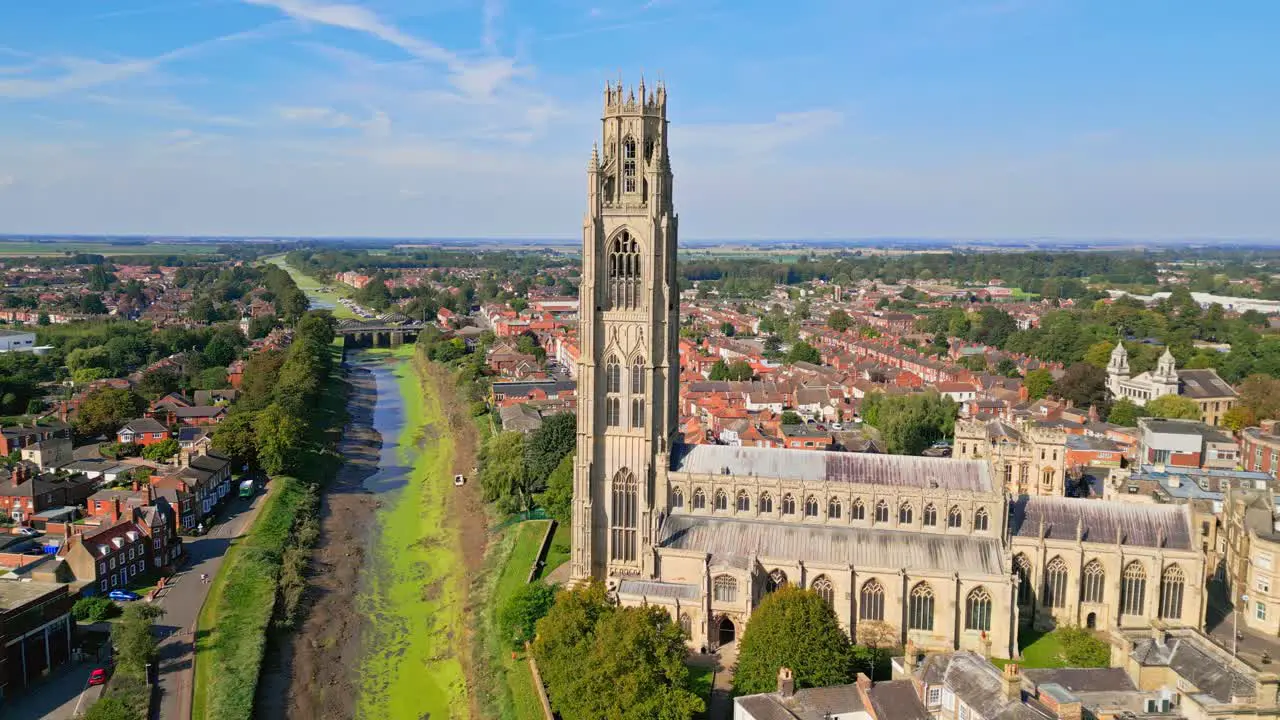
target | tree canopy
[
  {"x": 1083, "y": 384},
  {"x": 796, "y": 629},
  {"x": 105, "y": 410},
  {"x": 802, "y": 351},
  {"x": 910, "y": 423},
  {"x": 1173, "y": 407},
  {"x": 547, "y": 446}
]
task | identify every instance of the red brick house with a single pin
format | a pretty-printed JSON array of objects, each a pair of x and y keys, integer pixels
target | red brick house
[
  {"x": 109, "y": 557},
  {"x": 143, "y": 431}
]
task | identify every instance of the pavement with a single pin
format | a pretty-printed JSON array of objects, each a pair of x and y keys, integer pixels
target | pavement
[
  {"x": 58, "y": 697},
  {"x": 182, "y": 597}
]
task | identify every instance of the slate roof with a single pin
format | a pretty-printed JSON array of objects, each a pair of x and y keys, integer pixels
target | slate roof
[
  {"x": 897, "y": 700},
  {"x": 1103, "y": 521},
  {"x": 1209, "y": 674},
  {"x": 1083, "y": 680},
  {"x": 144, "y": 425},
  {"x": 728, "y": 538},
  {"x": 1199, "y": 384},
  {"x": 979, "y": 685},
  {"x": 807, "y": 704},
  {"x": 653, "y": 588},
  {"x": 834, "y": 467}
]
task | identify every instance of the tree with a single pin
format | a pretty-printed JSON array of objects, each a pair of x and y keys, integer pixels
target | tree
[
  {"x": 1008, "y": 368},
  {"x": 280, "y": 435},
  {"x": 976, "y": 363},
  {"x": 1038, "y": 383},
  {"x": 602, "y": 661},
  {"x": 839, "y": 320},
  {"x": 557, "y": 500},
  {"x": 94, "y": 609},
  {"x": 875, "y": 638},
  {"x": 234, "y": 437},
  {"x": 547, "y": 446},
  {"x": 105, "y": 410},
  {"x": 802, "y": 351},
  {"x": 795, "y": 629},
  {"x": 133, "y": 640},
  {"x": 518, "y": 618},
  {"x": 1083, "y": 384},
  {"x": 1099, "y": 354},
  {"x": 1124, "y": 412},
  {"x": 727, "y": 329},
  {"x": 1173, "y": 407},
  {"x": 790, "y": 417},
  {"x": 261, "y": 326},
  {"x": 112, "y": 707},
  {"x": 161, "y": 451},
  {"x": 1238, "y": 418},
  {"x": 502, "y": 472},
  {"x": 158, "y": 382},
  {"x": 910, "y": 423},
  {"x": 1082, "y": 648},
  {"x": 1261, "y": 395}
]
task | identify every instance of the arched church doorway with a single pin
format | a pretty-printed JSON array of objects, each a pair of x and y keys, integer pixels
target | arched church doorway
[
  {"x": 726, "y": 633},
  {"x": 1091, "y": 621}
]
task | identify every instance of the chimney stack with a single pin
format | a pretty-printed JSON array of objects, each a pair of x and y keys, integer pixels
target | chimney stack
[
  {"x": 786, "y": 682},
  {"x": 1012, "y": 681}
]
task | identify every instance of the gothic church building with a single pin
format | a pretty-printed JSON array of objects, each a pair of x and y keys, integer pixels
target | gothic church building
[{"x": 930, "y": 550}]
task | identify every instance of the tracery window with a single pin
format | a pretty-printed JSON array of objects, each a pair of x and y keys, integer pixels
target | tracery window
[
  {"x": 777, "y": 578},
  {"x": 871, "y": 601},
  {"x": 833, "y": 508},
  {"x": 722, "y": 500},
  {"x": 930, "y": 516},
  {"x": 629, "y": 165},
  {"x": 1172, "y": 584},
  {"x": 744, "y": 501},
  {"x": 811, "y": 506},
  {"x": 1022, "y": 568},
  {"x": 699, "y": 500},
  {"x": 1133, "y": 589},
  {"x": 954, "y": 517},
  {"x": 904, "y": 514},
  {"x": 825, "y": 590},
  {"x": 623, "y": 531},
  {"x": 613, "y": 411},
  {"x": 677, "y": 498},
  {"x": 920, "y": 608},
  {"x": 1055, "y": 583},
  {"x": 637, "y": 412},
  {"x": 981, "y": 520},
  {"x": 637, "y": 378},
  {"x": 788, "y": 504},
  {"x": 725, "y": 588},
  {"x": 1093, "y": 582},
  {"x": 766, "y": 503},
  {"x": 977, "y": 610},
  {"x": 624, "y": 272},
  {"x": 858, "y": 511},
  {"x": 686, "y": 625},
  {"x": 613, "y": 375},
  {"x": 882, "y": 512}
]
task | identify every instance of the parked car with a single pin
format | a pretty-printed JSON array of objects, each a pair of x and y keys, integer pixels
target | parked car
[
  {"x": 124, "y": 595},
  {"x": 98, "y": 677},
  {"x": 25, "y": 531},
  {"x": 459, "y": 480}
]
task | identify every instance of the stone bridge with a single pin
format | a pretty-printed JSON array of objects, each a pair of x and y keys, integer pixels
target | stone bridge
[{"x": 377, "y": 334}]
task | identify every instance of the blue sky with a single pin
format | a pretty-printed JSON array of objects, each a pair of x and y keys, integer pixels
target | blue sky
[{"x": 809, "y": 119}]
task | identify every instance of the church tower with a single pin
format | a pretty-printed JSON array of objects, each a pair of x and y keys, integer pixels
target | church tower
[
  {"x": 1117, "y": 369},
  {"x": 628, "y": 364}
]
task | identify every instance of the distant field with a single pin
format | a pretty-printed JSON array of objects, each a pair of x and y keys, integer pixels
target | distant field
[{"x": 28, "y": 249}]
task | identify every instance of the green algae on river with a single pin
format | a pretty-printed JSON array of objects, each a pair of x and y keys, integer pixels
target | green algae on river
[{"x": 413, "y": 588}]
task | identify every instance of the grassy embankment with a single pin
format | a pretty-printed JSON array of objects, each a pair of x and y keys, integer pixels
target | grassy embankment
[
  {"x": 415, "y": 586},
  {"x": 315, "y": 289},
  {"x": 235, "y": 621}
]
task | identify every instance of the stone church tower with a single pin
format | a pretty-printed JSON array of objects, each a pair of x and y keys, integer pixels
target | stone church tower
[{"x": 628, "y": 366}]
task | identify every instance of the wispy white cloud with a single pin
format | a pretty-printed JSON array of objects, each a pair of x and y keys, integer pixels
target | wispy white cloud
[
  {"x": 475, "y": 78},
  {"x": 6, "y": 181},
  {"x": 51, "y": 76},
  {"x": 492, "y": 12},
  {"x": 168, "y": 108},
  {"x": 378, "y": 124},
  {"x": 753, "y": 139}
]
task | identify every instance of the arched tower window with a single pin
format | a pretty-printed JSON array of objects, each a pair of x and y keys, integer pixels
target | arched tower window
[
  {"x": 637, "y": 378},
  {"x": 629, "y": 165},
  {"x": 981, "y": 520},
  {"x": 1133, "y": 589},
  {"x": 744, "y": 501},
  {"x": 613, "y": 387},
  {"x": 954, "y": 518},
  {"x": 1022, "y": 568},
  {"x": 1055, "y": 583},
  {"x": 625, "y": 512},
  {"x": 833, "y": 508},
  {"x": 637, "y": 412},
  {"x": 871, "y": 601},
  {"x": 677, "y": 498},
  {"x": 825, "y": 590},
  {"x": 920, "y": 608},
  {"x": 766, "y": 504},
  {"x": 777, "y": 579},
  {"x": 1093, "y": 582},
  {"x": 811, "y": 506},
  {"x": 686, "y": 625},
  {"x": 1172, "y": 584},
  {"x": 624, "y": 272},
  {"x": 724, "y": 589},
  {"x": 788, "y": 504},
  {"x": 882, "y": 512},
  {"x": 930, "y": 515},
  {"x": 977, "y": 610}
]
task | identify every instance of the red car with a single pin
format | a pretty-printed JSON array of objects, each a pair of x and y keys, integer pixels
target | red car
[{"x": 98, "y": 677}]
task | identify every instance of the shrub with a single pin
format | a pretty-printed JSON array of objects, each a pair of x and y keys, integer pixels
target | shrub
[
  {"x": 95, "y": 609},
  {"x": 522, "y": 612},
  {"x": 1082, "y": 648}
]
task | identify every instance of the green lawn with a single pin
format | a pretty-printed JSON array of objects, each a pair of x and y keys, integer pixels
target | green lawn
[
  {"x": 558, "y": 553},
  {"x": 1047, "y": 650},
  {"x": 700, "y": 679},
  {"x": 413, "y": 597}
]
